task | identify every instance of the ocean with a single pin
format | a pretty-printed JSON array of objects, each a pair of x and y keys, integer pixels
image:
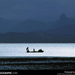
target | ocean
[
  {"x": 56, "y": 56},
  {"x": 50, "y": 49}
]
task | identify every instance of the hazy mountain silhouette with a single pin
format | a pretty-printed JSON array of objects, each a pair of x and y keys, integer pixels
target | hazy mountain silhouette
[
  {"x": 63, "y": 16},
  {"x": 64, "y": 25},
  {"x": 32, "y": 31},
  {"x": 68, "y": 30},
  {"x": 63, "y": 21},
  {"x": 30, "y": 26},
  {"x": 33, "y": 25},
  {"x": 36, "y": 26},
  {"x": 5, "y": 25}
]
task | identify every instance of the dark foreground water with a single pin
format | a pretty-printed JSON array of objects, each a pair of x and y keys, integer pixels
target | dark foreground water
[{"x": 37, "y": 63}]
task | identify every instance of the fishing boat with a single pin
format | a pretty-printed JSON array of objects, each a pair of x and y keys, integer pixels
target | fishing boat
[{"x": 39, "y": 51}]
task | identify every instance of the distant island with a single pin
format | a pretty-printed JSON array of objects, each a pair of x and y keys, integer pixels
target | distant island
[{"x": 13, "y": 37}]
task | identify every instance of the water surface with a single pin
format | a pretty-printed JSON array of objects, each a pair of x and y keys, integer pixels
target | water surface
[{"x": 50, "y": 49}]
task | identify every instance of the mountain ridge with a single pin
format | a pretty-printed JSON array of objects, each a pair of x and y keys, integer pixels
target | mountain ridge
[{"x": 38, "y": 26}]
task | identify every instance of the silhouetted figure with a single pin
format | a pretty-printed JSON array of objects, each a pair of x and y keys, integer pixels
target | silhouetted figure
[
  {"x": 40, "y": 50},
  {"x": 27, "y": 49},
  {"x": 33, "y": 50}
]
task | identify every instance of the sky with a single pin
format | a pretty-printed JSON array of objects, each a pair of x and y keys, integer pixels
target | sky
[{"x": 42, "y": 10}]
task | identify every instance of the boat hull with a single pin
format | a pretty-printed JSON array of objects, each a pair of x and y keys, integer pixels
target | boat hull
[{"x": 35, "y": 52}]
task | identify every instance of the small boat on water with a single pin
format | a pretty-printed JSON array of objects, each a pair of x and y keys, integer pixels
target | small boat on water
[{"x": 39, "y": 51}]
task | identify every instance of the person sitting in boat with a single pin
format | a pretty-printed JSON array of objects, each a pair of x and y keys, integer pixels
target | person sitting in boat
[
  {"x": 40, "y": 50},
  {"x": 33, "y": 50},
  {"x": 27, "y": 49}
]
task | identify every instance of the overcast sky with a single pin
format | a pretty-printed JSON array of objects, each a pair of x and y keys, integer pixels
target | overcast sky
[{"x": 43, "y": 10}]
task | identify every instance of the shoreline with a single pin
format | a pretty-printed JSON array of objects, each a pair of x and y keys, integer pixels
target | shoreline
[
  {"x": 18, "y": 58},
  {"x": 35, "y": 57}
]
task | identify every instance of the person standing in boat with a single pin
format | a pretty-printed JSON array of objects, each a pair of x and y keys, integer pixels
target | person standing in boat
[
  {"x": 27, "y": 49},
  {"x": 33, "y": 50}
]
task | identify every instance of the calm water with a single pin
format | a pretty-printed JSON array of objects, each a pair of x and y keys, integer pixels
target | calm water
[{"x": 50, "y": 49}]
